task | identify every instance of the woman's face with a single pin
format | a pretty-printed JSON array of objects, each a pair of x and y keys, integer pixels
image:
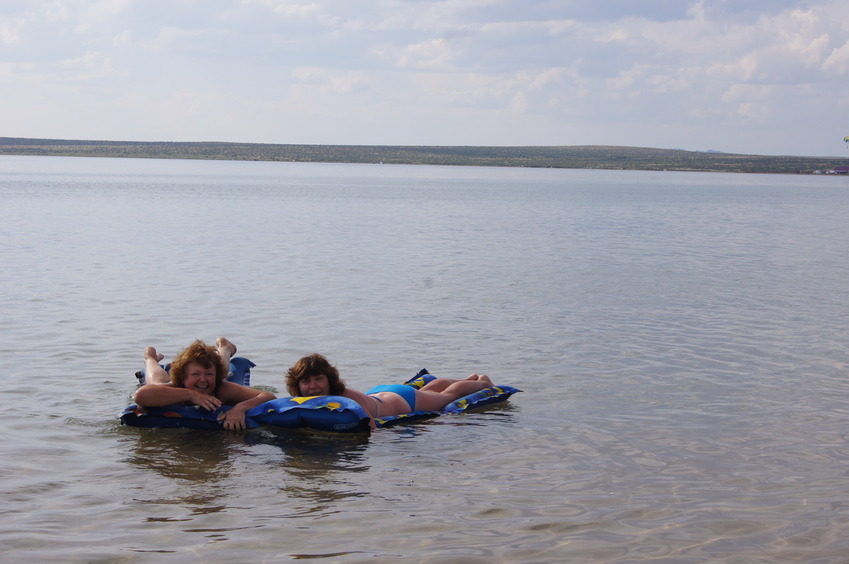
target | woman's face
[
  {"x": 316, "y": 385},
  {"x": 200, "y": 379}
]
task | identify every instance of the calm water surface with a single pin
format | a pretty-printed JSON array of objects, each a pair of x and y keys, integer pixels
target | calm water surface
[{"x": 681, "y": 340}]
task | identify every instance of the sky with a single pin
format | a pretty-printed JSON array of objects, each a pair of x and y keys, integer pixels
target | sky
[{"x": 766, "y": 77}]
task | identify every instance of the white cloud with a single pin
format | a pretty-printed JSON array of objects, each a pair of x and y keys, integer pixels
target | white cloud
[
  {"x": 89, "y": 65},
  {"x": 750, "y": 102},
  {"x": 430, "y": 54},
  {"x": 125, "y": 37},
  {"x": 174, "y": 38},
  {"x": 613, "y": 35},
  {"x": 330, "y": 81},
  {"x": 287, "y": 8},
  {"x": 838, "y": 60},
  {"x": 94, "y": 15},
  {"x": 627, "y": 82},
  {"x": 660, "y": 72},
  {"x": 10, "y": 30}
]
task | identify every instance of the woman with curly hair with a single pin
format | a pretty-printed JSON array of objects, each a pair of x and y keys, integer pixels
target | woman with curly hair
[{"x": 198, "y": 377}]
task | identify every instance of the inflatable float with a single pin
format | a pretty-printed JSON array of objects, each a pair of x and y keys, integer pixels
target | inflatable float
[{"x": 334, "y": 414}]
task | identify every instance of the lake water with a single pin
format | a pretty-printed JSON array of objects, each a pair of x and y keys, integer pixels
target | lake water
[{"x": 681, "y": 340}]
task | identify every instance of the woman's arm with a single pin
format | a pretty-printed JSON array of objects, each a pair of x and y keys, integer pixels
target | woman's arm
[
  {"x": 157, "y": 395},
  {"x": 242, "y": 399},
  {"x": 368, "y": 404}
]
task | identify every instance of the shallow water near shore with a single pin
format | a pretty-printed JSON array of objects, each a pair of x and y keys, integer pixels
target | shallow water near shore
[{"x": 680, "y": 339}]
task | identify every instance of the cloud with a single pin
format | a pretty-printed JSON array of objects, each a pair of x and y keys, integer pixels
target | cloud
[
  {"x": 11, "y": 30},
  {"x": 672, "y": 73},
  {"x": 430, "y": 54},
  {"x": 838, "y": 60},
  {"x": 330, "y": 81},
  {"x": 287, "y": 8},
  {"x": 91, "y": 65}
]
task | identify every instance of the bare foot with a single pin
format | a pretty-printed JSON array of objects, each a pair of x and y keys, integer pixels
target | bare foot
[
  {"x": 150, "y": 353},
  {"x": 483, "y": 378},
  {"x": 225, "y": 346}
]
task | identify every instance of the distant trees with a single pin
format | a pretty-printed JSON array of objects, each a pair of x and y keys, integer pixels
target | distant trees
[{"x": 581, "y": 156}]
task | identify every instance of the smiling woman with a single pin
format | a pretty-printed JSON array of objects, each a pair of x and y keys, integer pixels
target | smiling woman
[
  {"x": 313, "y": 375},
  {"x": 198, "y": 377}
]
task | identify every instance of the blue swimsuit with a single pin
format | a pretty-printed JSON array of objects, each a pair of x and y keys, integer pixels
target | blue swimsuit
[{"x": 406, "y": 392}]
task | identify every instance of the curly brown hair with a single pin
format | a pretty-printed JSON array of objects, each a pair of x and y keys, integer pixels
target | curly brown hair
[
  {"x": 313, "y": 365},
  {"x": 204, "y": 355}
]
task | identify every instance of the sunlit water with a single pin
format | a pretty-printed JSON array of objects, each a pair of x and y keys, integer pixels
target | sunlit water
[{"x": 681, "y": 340}]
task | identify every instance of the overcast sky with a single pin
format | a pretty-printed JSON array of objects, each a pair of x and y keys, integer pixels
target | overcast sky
[{"x": 742, "y": 76}]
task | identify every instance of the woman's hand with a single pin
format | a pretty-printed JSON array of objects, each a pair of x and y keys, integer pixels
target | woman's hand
[
  {"x": 205, "y": 401},
  {"x": 233, "y": 419}
]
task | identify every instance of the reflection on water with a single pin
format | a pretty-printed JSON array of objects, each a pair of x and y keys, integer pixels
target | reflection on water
[
  {"x": 204, "y": 466},
  {"x": 200, "y": 464},
  {"x": 184, "y": 454},
  {"x": 681, "y": 340},
  {"x": 318, "y": 469},
  {"x": 207, "y": 456}
]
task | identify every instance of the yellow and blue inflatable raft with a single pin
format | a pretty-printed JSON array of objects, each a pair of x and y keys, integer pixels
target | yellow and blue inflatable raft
[{"x": 334, "y": 414}]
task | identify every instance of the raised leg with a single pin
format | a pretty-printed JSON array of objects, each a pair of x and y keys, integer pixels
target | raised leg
[
  {"x": 153, "y": 372},
  {"x": 226, "y": 350}
]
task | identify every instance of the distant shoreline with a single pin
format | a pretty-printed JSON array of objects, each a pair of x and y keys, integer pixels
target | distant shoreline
[{"x": 578, "y": 156}]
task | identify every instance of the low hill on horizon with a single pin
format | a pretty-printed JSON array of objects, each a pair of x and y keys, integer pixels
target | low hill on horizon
[{"x": 576, "y": 156}]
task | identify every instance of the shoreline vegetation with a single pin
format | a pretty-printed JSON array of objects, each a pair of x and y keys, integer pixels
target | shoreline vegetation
[{"x": 578, "y": 156}]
